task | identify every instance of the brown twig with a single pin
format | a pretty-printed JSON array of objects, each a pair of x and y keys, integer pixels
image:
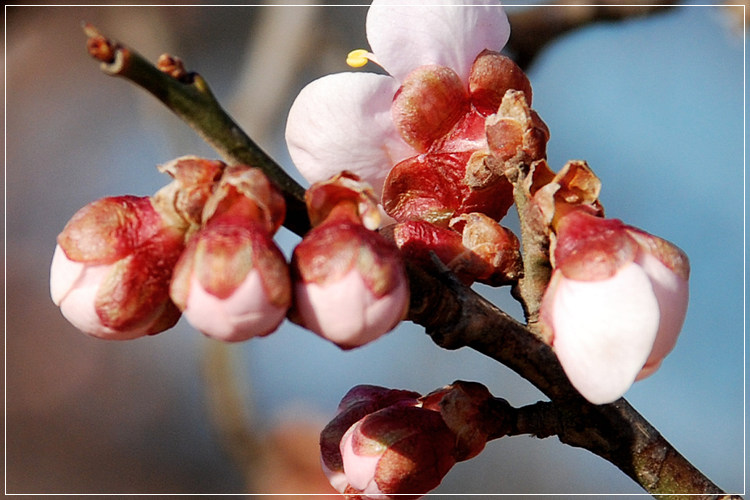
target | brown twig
[{"x": 190, "y": 98}]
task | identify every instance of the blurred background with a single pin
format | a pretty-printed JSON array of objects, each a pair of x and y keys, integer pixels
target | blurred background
[{"x": 653, "y": 102}]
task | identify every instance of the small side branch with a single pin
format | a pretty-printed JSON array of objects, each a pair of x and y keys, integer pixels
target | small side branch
[{"x": 188, "y": 96}]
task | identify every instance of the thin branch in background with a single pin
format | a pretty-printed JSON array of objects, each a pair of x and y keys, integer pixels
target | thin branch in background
[{"x": 535, "y": 27}]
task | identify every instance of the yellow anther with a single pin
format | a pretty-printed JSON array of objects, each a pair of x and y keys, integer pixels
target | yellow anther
[{"x": 358, "y": 58}]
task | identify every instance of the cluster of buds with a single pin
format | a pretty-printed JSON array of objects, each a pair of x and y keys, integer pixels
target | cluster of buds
[
  {"x": 113, "y": 263},
  {"x": 448, "y": 198},
  {"x": 387, "y": 443},
  {"x": 449, "y": 140},
  {"x": 203, "y": 246}
]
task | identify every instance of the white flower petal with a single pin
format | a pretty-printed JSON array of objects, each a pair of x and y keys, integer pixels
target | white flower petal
[
  {"x": 343, "y": 122},
  {"x": 360, "y": 470},
  {"x": 604, "y": 331},
  {"x": 409, "y": 34}
]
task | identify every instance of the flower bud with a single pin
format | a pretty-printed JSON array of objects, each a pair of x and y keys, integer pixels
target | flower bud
[
  {"x": 232, "y": 282},
  {"x": 400, "y": 450},
  {"x": 183, "y": 199},
  {"x": 497, "y": 249},
  {"x": 429, "y": 103},
  {"x": 111, "y": 269},
  {"x": 615, "y": 304},
  {"x": 355, "y": 405},
  {"x": 515, "y": 132},
  {"x": 493, "y": 74},
  {"x": 350, "y": 285},
  {"x": 478, "y": 249}
]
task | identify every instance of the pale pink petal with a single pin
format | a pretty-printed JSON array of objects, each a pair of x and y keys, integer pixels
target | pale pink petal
[
  {"x": 346, "y": 312},
  {"x": 672, "y": 294},
  {"x": 244, "y": 314},
  {"x": 404, "y": 35},
  {"x": 604, "y": 331},
  {"x": 78, "y": 304},
  {"x": 63, "y": 275},
  {"x": 360, "y": 469},
  {"x": 73, "y": 286},
  {"x": 343, "y": 122}
]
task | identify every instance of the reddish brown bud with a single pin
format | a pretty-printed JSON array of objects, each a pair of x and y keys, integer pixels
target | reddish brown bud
[
  {"x": 492, "y": 75},
  {"x": 438, "y": 186},
  {"x": 487, "y": 253},
  {"x": 247, "y": 193},
  {"x": 428, "y": 105},
  {"x": 497, "y": 249},
  {"x": 183, "y": 199},
  {"x": 323, "y": 198},
  {"x": 471, "y": 413}
]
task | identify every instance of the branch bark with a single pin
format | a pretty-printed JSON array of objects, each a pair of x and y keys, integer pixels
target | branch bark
[
  {"x": 451, "y": 313},
  {"x": 455, "y": 316}
]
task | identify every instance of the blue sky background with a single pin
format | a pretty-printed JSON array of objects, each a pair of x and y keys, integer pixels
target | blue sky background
[{"x": 654, "y": 105}]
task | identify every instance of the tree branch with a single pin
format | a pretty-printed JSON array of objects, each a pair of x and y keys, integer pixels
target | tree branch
[
  {"x": 456, "y": 316},
  {"x": 190, "y": 98},
  {"x": 452, "y": 314}
]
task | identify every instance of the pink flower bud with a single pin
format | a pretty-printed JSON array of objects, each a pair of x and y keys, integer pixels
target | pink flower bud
[
  {"x": 355, "y": 405},
  {"x": 232, "y": 282},
  {"x": 350, "y": 285},
  {"x": 399, "y": 450},
  {"x": 111, "y": 269},
  {"x": 615, "y": 304}
]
